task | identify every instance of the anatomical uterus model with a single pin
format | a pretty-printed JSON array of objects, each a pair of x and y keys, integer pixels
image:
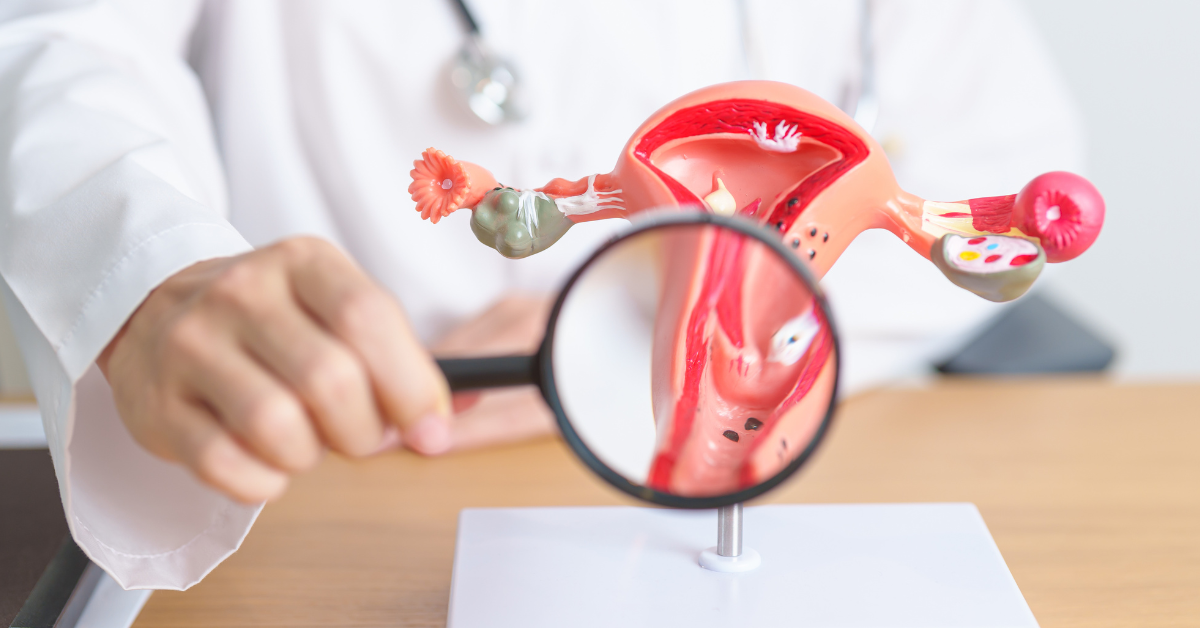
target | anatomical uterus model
[{"x": 736, "y": 357}]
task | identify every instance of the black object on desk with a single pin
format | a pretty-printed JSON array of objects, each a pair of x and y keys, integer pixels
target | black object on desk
[
  {"x": 45, "y": 581},
  {"x": 1032, "y": 336}
]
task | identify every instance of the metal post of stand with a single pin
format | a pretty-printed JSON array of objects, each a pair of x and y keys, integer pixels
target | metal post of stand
[
  {"x": 729, "y": 556},
  {"x": 729, "y": 531}
]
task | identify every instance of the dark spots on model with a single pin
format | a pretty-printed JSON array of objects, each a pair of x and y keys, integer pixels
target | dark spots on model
[{"x": 752, "y": 425}]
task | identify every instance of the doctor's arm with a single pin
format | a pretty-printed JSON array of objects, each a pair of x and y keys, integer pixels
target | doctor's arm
[
  {"x": 115, "y": 250},
  {"x": 245, "y": 368}
]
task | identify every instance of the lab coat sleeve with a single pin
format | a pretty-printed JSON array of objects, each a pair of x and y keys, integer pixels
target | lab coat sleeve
[{"x": 109, "y": 184}]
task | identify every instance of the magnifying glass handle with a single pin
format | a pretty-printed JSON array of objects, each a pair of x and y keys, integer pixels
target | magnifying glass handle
[{"x": 494, "y": 372}]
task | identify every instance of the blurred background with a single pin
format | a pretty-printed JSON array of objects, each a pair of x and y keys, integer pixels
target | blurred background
[{"x": 1129, "y": 68}]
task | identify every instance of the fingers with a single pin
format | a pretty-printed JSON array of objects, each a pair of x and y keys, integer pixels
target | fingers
[
  {"x": 514, "y": 324},
  {"x": 330, "y": 380},
  {"x": 502, "y": 416},
  {"x": 202, "y": 445},
  {"x": 390, "y": 440},
  {"x": 494, "y": 417},
  {"x": 258, "y": 304},
  {"x": 264, "y": 414},
  {"x": 245, "y": 368},
  {"x": 411, "y": 391},
  {"x": 463, "y": 401}
]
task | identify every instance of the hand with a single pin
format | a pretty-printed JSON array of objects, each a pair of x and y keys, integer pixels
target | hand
[
  {"x": 245, "y": 369},
  {"x": 514, "y": 325}
]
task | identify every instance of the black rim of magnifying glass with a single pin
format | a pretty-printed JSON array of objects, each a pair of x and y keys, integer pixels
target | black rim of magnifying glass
[{"x": 538, "y": 369}]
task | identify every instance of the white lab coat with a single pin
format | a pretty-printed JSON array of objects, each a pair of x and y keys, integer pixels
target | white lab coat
[{"x": 140, "y": 136}]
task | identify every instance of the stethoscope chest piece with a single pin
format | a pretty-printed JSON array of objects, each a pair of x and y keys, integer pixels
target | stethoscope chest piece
[{"x": 489, "y": 83}]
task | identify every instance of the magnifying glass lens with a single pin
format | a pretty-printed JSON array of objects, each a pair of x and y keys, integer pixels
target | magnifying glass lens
[{"x": 695, "y": 361}]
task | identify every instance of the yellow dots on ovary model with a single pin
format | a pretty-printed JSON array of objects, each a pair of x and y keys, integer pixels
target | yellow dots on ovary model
[{"x": 967, "y": 256}]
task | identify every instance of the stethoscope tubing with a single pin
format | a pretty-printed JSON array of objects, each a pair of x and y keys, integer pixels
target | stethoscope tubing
[
  {"x": 861, "y": 104},
  {"x": 465, "y": 13}
]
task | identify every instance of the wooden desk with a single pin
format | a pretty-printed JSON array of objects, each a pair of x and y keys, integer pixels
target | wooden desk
[{"x": 1091, "y": 490}]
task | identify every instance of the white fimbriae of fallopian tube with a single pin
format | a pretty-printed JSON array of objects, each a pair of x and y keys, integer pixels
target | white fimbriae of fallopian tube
[
  {"x": 591, "y": 201},
  {"x": 527, "y": 208},
  {"x": 793, "y": 338},
  {"x": 786, "y": 140}
]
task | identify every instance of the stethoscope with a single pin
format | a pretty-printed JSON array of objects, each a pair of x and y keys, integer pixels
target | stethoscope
[
  {"x": 489, "y": 83},
  {"x": 492, "y": 87}
]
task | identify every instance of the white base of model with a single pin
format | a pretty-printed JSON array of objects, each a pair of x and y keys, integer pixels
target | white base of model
[
  {"x": 749, "y": 560},
  {"x": 821, "y": 565}
]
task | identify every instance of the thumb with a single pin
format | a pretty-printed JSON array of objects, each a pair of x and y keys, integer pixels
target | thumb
[{"x": 421, "y": 407}]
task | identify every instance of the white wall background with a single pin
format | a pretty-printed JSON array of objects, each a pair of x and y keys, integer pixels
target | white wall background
[{"x": 1133, "y": 69}]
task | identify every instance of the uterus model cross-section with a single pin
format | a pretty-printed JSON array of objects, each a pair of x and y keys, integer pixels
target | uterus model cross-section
[{"x": 777, "y": 154}]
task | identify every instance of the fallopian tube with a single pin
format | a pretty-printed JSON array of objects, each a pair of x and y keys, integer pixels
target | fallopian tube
[{"x": 780, "y": 155}]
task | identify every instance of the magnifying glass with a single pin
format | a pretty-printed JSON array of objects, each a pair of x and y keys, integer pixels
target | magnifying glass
[{"x": 691, "y": 362}]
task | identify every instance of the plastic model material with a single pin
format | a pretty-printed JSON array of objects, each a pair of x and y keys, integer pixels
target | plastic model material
[{"x": 779, "y": 155}]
